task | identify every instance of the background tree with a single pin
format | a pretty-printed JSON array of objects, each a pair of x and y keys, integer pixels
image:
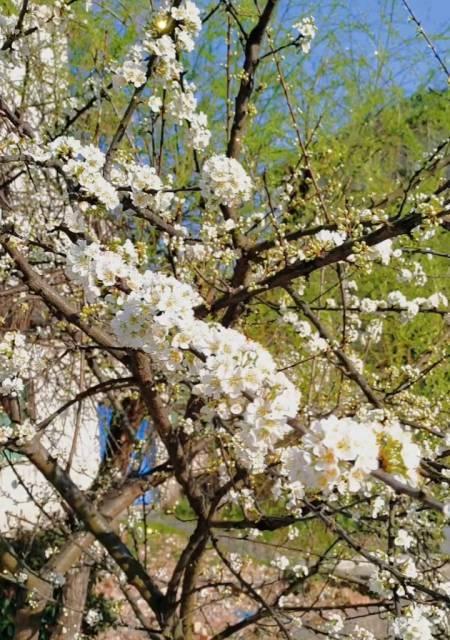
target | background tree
[{"x": 256, "y": 266}]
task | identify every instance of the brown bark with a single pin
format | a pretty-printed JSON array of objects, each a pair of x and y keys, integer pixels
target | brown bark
[
  {"x": 74, "y": 597},
  {"x": 28, "y": 619},
  {"x": 27, "y": 624}
]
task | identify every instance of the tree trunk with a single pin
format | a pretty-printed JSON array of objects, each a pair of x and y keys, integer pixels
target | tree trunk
[
  {"x": 74, "y": 597},
  {"x": 27, "y": 624}
]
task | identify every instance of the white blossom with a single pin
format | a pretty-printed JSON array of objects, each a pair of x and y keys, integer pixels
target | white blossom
[
  {"x": 14, "y": 360},
  {"x": 403, "y": 539},
  {"x": 382, "y": 251},
  {"x": 307, "y": 29},
  {"x": 330, "y": 238},
  {"x": 93, "y": 617},
  {"x": 413, "y": 625},
  {"x": 224, "y": 180},
  {"x": 83, "y": 163}
]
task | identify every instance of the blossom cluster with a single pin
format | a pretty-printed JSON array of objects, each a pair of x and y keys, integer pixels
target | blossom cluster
[
  {"x": 329, "y": 443},
  {"x": 93, "y": 617},
  {"x": 328, "y": 239},
  {"x": 307, "y": 30},
  {"x": 313, "y": 343},
  {"x": 148, "y": 191},
  {"x": 410, "y": 308},
  {"x": 182, "y": 106},
  {"x": 240, "y": 381},
  {"x": 83, "y": 163},
  {"x": 398, "y": 453},
  {"x": 342, "y": 452},
  {"x": 156, "y": 307},
  {"x": 14, "y": 360},
  {"x": 414, "y": 625},
  {"x": 17, "y": 432},
  {"x": 416, "y": 274},
  {"x": 90, "y": 266},
  {"x": 398, "y": 301},
  {"x": 188, "y": 24},
  {"x": 134, "y": 68},
  {"x": 224, "y": 180},
  {"x": 172, "y": 30},
  {"x": 383, "y": 251},
  {"x": 236, "y": 376}
]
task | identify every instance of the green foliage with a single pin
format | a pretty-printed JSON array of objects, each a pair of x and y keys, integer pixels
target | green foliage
[
  {"x": 6, "y": 613},
  {"x": 183, "y": 510},
  {"x": 108, "y": 618},
  {"x": 8, "y": 607},
  {"x": 374, "y": 155}
]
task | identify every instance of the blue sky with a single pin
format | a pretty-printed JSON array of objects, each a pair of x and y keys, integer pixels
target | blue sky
[
  {"x": 407, "y": 53},
  {"x": 378, "y": 30},
  {"x": 366, "y": 48},
  {"x": 434, "y": 16},
  {"x": 434, "y": 13}
]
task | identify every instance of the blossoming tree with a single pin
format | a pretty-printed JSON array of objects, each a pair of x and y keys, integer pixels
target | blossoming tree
[{"x": 275, "y": 309}]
